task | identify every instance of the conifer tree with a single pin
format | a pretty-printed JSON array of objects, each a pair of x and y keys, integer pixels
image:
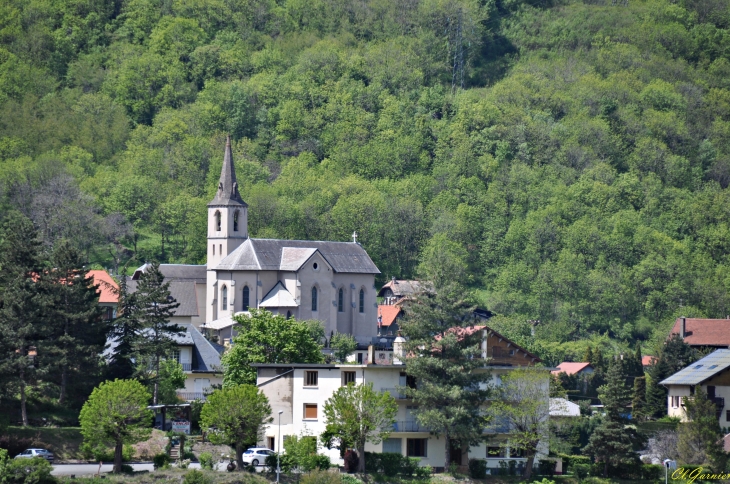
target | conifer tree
[
  {"x": 588, "y": 355},
  {"x": 674, "y": 355},
  {"x": 78, "y": 332},
  {"x": 154, "y": 308},
  {"x": 23, "y": 304},
  {"x": 638, "y": 402},
  {"x": 700, "y": 438},
  {"x": 445, "y": 358},
  {"x": 125, "y": 332}
]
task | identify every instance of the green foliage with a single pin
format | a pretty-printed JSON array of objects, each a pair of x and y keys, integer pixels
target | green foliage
[
  {"x": 206, "y": 460},
  {"x": 172, "y": 377},
  {"x": 477, "y": 468},
  {"x": 357, "y": 414},
  {"x": 162, "y": 461},
  {"x": 267, "y": 338},
  {"x": 116, "y": 413},
  {"x": 197, "y": 477},
  {"x": 321, "y": 477},
  {"x": 102, "y": 453},
  {"x": 237, "y": 414},
  {"x": 25, "y": 471},
  {"x": 700, "y": 438},
  {"x": 343, "y": 345},
  {"x": 390, "y": 464},
  {"x": 301, "y": 453}
]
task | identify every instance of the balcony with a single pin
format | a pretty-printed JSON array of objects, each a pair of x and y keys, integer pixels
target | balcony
[
  {"x": 719, "y": 404},
  {"x": 187, "y": 366},
  {"x": 395, "y": 393},
  {"x": 191, "y": 396},
  {"x": 408, "y": 426}
]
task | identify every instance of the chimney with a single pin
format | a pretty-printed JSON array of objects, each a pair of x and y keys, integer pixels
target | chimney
[
  {"x": 393, "y": 280},
  {"x": 683, "y": 327}
]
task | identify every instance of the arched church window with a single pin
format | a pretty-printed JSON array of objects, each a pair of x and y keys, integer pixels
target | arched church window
[
  {"x": 224, "y": 298},
  {"x": 288, "y": 314},
  {"x": 362, "y": 300},
  {"x": 341, "y": 300},
  {"x": 314, "y": 299},
  {"x": 235, "y": 221},
  {"x": 245, "y": 298},
  {"x": 217, "y": 221}
]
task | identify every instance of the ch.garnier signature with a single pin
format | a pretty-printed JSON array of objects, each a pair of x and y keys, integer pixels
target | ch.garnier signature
[{"x": 698, "y": 473}]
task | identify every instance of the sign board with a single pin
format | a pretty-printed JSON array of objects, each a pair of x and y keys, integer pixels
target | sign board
[{"x": 181, "y": 426}]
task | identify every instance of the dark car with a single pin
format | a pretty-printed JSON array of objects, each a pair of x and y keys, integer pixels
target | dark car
[{"x": 30, "y": 453}]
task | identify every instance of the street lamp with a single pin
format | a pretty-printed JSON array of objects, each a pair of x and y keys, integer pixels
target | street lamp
[{"x": 278, "y": 451}]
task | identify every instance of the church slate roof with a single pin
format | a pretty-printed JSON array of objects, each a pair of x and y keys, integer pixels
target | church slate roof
[
  {"x": 227, "y": 193},
  {"x": 266, "y": 255},
  {"x": 278, "y": 297},
  {"x": 292, "y": 258},
  {"x": 182, "y": 279}
]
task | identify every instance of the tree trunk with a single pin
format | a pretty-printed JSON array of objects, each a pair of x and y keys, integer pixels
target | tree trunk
[
  {"x": 447, "y": 454},
  {"x": 64, "y": 379},
  {"x": 23, "y": 411},
  {"x": 605, "y": 468},
  {"x": 361, "y": 459},
  {"x": 239, "y": 456},
  {"x": 157, "y": 379},
  {"x": 118, "y": 457},
  {"x": 528, "y": 466}
]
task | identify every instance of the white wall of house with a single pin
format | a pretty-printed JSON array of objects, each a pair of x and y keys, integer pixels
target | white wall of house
[{"x": 675, "y": 409}]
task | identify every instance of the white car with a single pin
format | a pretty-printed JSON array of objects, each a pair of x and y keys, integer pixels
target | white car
[
  {"x": 30, "y": 453},
  {"x": 256, "y": 456}
]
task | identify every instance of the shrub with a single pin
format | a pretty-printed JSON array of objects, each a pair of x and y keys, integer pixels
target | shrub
[
  {"x": 15, "y": 445},
  {"x": 547, "y": 467},
  {"x": 321, "y": 477},
  {"x": 197, "y": 477},
  {"x": 477, "y": 468},
  {"x": 206, "y": 460},
  {"x": 570, "y": 460},
  {"x": 390, "y": 462},
  {"x": 372, "y": 462},
  {"x": 348, "y": 479},
  {"x": 127, "y": 469},
  {"x": 287, "y": 463},
  {"x": 320, "y": 461},
  {"x": 651, "y": 472},
  {"x": 105, "y": 454},
  {"x": 161, "y": 461},
  {"x": 422, "y": 472},
  {"x": 581, "y": 470},
  {"x": 26, "y": 471}
]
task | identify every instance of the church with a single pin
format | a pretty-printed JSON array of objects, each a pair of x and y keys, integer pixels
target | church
[{"x": 333, "y": 282}]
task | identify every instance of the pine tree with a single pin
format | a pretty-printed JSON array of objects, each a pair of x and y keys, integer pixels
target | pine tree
[
  {"x": 78, "y": 332},
  {"x": 615, "y": 394},
  {"x": 24, "y": 304},
  {"x": 154, "y": 308},
  {"x": 125, "y": 333},
  {"x": 674, "y": 355},
  {"x": 588, "y": 355},
  {"x": 638, "y": 402},
  {"x": 700, "y": 438},
  {"x": 445, "y": 361}
]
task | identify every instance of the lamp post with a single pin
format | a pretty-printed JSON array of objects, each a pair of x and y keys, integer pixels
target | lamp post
[{"x": 278, "y": 451}]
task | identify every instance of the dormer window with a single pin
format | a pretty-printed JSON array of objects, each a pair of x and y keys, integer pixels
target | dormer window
[
  {"x": 217, "y": 221},
  {"x": 235, "y": 221}
]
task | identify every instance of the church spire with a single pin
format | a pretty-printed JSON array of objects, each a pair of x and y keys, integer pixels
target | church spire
[{"x": 227, "y": 193}]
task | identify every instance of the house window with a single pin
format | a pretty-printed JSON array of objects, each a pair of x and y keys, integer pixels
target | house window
[
  {"x": 310, "y": 411},
  {"x": 108, "y": 313},
  {"x": 310, "y": 378},
  {"x": 710, "y": 391},
  {"x": 270, "y": 442},
  {"x": 417, "y": 447},
  {"x": 516, "y": 452},
  {"x": 235, "y": 221},
  {"x": 213, "y": 249},
  {"x": 362, "y": 300},
  {"x": 217, "y": 221},
  {"x": 727, "y": 415},
  {"x": 359, "y": 358},
  {"x": 393, "y": 445},
  {"x": 246, "y": 298},
  {"x": 224, "y": 298},
  {"x": 675, "y": 401},
  {"x": 175, "y": 355},
  {"x": 314, "y": 299},
  {"x": 288, "y": 314},
  {"x": 348, "y": 377},
  {"x": 496, "y": 452},
  {"x": 341, "y": 300}
]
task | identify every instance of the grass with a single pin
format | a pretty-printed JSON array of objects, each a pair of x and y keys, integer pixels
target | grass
[
  {"x": 170, "y": 475},
  {"x": 64, "y": 442}
]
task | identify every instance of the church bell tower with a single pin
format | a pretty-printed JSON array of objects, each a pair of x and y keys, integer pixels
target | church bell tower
[{"x": 227, "y": 214}]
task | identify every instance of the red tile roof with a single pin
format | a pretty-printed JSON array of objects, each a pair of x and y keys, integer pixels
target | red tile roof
[
  {"x": 107, "y": 286},
  {"x": 388, "y": 314},
  {"x": 570, "y": 368},
  {"x": 704, "y": 332},
  {"x": 647, "y": 360}
]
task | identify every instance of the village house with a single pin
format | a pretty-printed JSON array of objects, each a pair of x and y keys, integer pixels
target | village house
[
  {"x": 703, "y": 333},
  {"x": 300, "y": 391},
  {"x": 712, "y": 374},
  {"x": 201, "y": 362}
]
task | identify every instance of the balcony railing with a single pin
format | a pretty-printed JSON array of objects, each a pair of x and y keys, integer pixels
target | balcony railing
[
  {"x": 191, "y": 396},
  {"x": 409, "y": 426},
  {"x": 395, "y": 393},
  {"x": 719, "y": 405},
  {"x": 187, "y": 366}
]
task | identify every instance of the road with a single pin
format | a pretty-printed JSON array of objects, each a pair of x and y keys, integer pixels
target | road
[{"x": 91, "y": 469}]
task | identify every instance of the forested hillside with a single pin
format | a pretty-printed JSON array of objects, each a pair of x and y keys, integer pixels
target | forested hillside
[{"x": 569, "y": 160}]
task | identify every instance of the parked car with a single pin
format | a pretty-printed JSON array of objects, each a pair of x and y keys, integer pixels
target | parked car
[
  {"x": 30, "y": 453},
  {"x": 256, "y": 456}
]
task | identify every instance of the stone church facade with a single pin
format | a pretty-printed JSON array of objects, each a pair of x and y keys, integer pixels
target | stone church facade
[{"x": 333, "y": 282}]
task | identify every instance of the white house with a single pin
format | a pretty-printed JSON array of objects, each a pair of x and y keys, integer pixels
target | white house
[
  {"x": 712, "y": 375},
  {"x": 201, "y": 362},
  {"x": 300, "y": 391}
]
